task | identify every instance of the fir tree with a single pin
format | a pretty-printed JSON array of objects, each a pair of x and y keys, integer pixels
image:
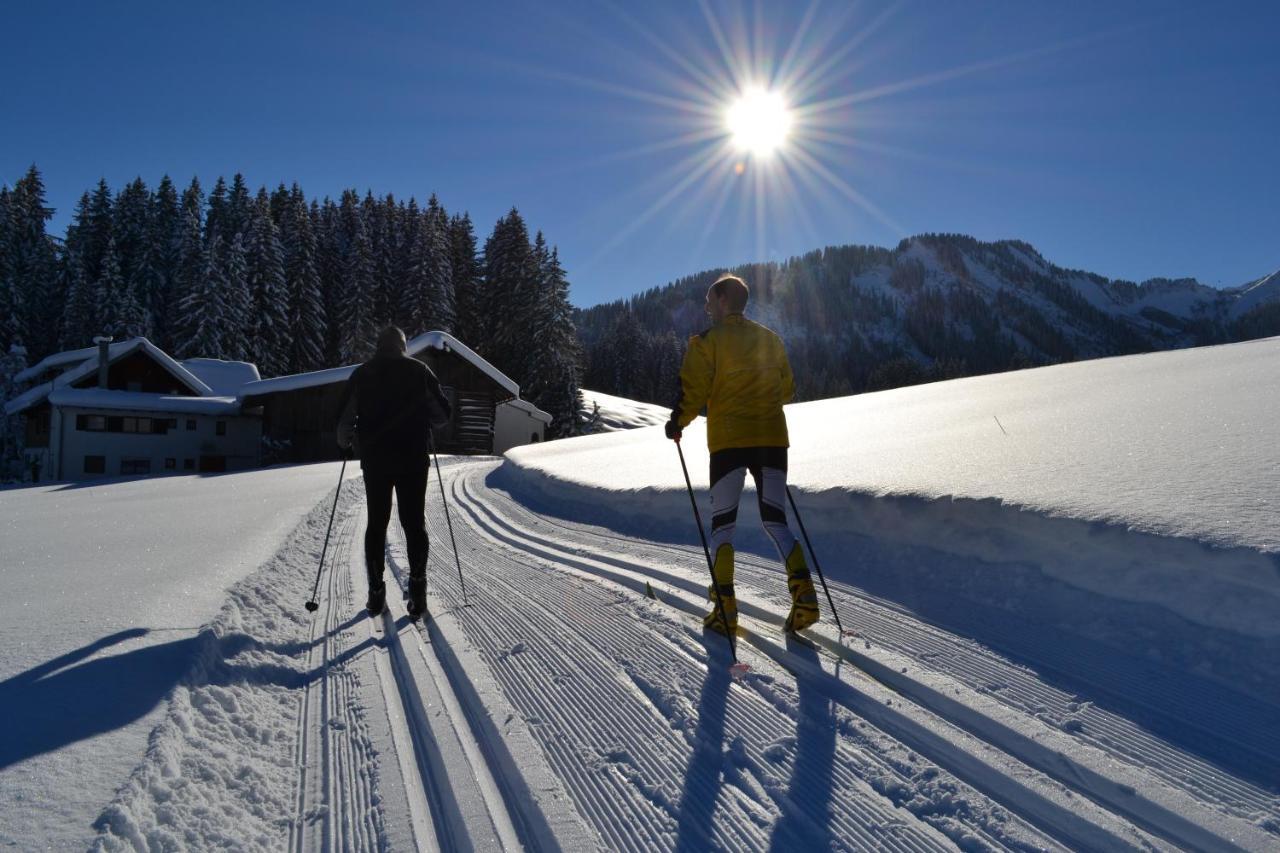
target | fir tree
[
  {"x": 10, "y": 307},
  {"x": 464, "y": 274},
  {"x": 235, "y": 332},
  {"x": 192, "y": 262},
  {"x": 204, "y": 308},
  {"x": 357, "y": 321},
  {"x": 511, "y": 292},
  {"x": 165, "y": 246},
  {"x": 306, "y": 308},
  {"x": 33, "y": 266},
  {"x": 268, "y": 333},
  {"x": 12, "y": 467},
  {"x": 80, "y": 313},
  {"x": 108, "y": 288}
]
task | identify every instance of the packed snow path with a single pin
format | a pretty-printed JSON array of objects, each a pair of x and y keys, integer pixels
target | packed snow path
[
  {"x": 573, "y": 702},
  {"x": 947, "y": 742}
]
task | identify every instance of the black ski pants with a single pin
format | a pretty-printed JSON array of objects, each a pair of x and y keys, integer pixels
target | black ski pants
[{"x": 409, "y": 482}]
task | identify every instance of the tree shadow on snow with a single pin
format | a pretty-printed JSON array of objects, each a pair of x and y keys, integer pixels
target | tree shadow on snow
[
  {"x": 702, "y": 777},
  {"x": 59, "y": 703},
  {"x": 69, "y": 699}
]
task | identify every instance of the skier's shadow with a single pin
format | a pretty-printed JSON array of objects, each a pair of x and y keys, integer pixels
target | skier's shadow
[
  {"x": 68, "y": 699},
  {"x": 702, "y": 778},
  {"x": 806, "y": 809}
]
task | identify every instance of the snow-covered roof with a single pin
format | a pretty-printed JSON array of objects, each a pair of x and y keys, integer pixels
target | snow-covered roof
[
  {"x": 225, "y": 377},
  {"x": 86, "y": 364},
  {"x": 427, "y": 340},
  {"x": 141, "y": 401},
  {"x": 529, "y": 409}
]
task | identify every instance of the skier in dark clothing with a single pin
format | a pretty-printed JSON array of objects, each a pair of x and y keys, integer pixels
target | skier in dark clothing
[{"x": 390, "y": 403}]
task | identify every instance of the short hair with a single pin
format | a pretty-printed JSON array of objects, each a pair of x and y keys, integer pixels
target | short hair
[
  {"x": 391, "y": 340},
  {"x": 734, "y": 289}
]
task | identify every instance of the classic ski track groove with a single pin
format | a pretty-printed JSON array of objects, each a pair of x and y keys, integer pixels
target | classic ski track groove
[
  {"x": 1163, "y": 816},
  {"x": 335, "y": 800},
  {"x": 539, "y": 600},
  {"x": 1013, "y": 685}
]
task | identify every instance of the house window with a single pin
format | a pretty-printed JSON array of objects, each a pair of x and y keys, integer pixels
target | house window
[
  {"x": 188, "y": 464},
  {"x": 42, "y": 423},
  {"x": 221, "y": 428},
  {"x": 171, "y": 423},
  {"x": 191, "y": 423},
  {"x": 142, "y": 425},
  {"x": 95, "y": 464},
  {"x": 91, "y": 423},
  {"x": 135, "y": 466},
  {"x": 170, "y": 464}
]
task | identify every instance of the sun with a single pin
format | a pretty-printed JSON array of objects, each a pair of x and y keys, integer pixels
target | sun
[{"x": 759, "y": 121}]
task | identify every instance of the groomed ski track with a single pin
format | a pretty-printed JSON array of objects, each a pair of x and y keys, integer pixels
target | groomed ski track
[{"x": 574, "y": 703}]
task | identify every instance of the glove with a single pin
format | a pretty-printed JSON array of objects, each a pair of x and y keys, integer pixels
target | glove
[
  {"x": 673, "y": 430},
  {"x": 345, "y": 449}
]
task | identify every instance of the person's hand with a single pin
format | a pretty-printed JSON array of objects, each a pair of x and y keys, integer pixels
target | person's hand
[
  {"x": 346, "y": 450},
  {"x": 673, "y": 430}
]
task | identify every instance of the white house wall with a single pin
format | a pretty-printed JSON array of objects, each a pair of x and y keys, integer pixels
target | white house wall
[
  {"x": 513, "y": 427},
  {"x": 240, "y": 446}
]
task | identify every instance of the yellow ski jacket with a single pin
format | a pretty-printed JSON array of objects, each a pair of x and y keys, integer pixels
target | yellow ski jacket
[{"x": 739, "y": 371}]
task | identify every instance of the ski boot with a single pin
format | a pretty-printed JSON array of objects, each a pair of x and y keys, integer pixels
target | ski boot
[
  {"x": 417, "y": 598},
  {"x": 723, "y": 575},
  {"x": 804, "y": 601},
  {"x": 377, "y": 600}
]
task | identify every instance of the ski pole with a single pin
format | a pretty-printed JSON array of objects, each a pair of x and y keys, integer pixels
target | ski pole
[
  {"x": 312, "y": 605},
  {"x": 445, "y": 501},
  {"x": 733, "y": 650},
  {"x": 795, "y": 510}
]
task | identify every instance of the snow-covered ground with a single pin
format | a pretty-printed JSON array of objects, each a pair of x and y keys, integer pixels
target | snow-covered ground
[
  {"x": 1061, "y": 633},
  {"x": 106, "y": 592},
  {"x": 618, "y": 413}
]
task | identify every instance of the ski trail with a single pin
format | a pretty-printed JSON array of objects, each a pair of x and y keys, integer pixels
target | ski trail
[
  {"x": 661, "y": 751},
  {"x": 335, "y": 807},
  {"x": 1245, "y": 734},
  {"x": 1155, "y": 809}
]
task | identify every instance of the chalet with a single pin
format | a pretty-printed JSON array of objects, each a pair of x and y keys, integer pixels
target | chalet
[
  {"x": 300, "y": 412},
  {"x": 128, "y": 408}
]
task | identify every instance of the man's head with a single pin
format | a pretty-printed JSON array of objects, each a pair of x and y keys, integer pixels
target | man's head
[
  {"x": 391, "y": 341},
  {"x": 727, "y": 296}
]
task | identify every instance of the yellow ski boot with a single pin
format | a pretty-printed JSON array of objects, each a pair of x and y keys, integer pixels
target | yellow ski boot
[
  {"x": 804, "y": 601},
  {"x": 723, "y": 574}
]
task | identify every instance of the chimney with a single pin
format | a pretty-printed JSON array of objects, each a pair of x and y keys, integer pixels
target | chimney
[{"x": 104, "y": 343}]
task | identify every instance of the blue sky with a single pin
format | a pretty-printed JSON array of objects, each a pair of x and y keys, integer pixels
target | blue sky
[{"x": 1130, "y": 139}]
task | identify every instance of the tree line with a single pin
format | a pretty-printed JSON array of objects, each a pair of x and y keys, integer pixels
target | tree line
[{"x": 289, "y": 283}]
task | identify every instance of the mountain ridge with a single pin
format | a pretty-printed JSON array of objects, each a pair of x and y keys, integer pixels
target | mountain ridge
[{"x": 937, "y": 306}]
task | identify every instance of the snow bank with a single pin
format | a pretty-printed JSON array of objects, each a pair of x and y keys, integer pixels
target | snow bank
[
  {"x": 1144, "y": 481},
  {"x": 617, "y": 413}
]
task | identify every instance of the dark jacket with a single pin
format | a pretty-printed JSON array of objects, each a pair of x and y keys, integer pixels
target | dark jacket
[{"x": 390, "y": 403}]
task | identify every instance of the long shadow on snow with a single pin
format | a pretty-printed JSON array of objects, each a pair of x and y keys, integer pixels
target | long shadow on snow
[
  {"x": 702, "y": 777},
  {"x": 63, "y": 701},
  {"x": 806, "y": 807}
]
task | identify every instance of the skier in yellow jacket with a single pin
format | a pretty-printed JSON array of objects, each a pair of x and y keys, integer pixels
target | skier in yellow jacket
[{"x": 738, "y": 371}]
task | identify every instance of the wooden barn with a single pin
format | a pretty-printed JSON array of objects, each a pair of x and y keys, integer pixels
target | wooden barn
[{"x": 300, "y": 412}]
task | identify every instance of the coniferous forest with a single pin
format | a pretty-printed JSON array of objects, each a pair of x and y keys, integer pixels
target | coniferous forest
[{"x": 289, "y": 283}]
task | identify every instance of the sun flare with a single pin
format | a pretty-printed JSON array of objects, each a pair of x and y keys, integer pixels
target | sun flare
[{"x": 759, "y": 122}]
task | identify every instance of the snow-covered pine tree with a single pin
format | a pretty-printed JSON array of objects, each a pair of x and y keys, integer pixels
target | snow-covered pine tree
[
  {"x": 80, "y": 314},
  {"x": 165, "y": 250},
  {"x": 306, "y": 306},
  {"x": 189, "y": 275},
  {"x": 132, "y": 231},
  {"x": 440, "y": 293},
  {"x": 510, "y": 297},
  {"x": 216, "y": 219},
  {"x": 204, "y": 307},
  {"x": 108, "y": 289},
  {"x": 12, "y": 469},
  {"x": 357, "y": 296},
  {"x": 33, "y": 266},
  {"x": 239, "y": 208},
  {"x": 464, "y": 274},
  {"x": 9, "y": 306},
  {"x": 326, "y": 223},
  {"x": 235, "y": 332},
  {"x": 269, "y": 333},
  {"x": 555, "y": 356},
  {"x": 382, "y": 236},
  {"x": 98, "y": 229}
]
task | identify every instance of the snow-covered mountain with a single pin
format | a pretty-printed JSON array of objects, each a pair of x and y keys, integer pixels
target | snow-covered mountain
[{"x": 860, "y": 318}]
